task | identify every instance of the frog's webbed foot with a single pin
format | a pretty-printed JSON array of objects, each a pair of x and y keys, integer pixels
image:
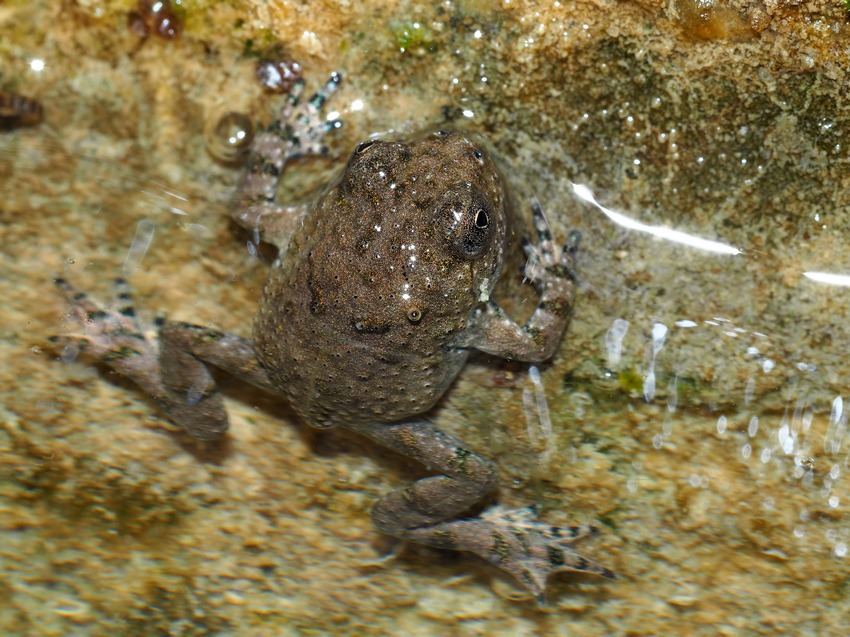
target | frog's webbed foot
[
  {"x": 168, "y": 360},
  {"x": 300, "y": 125},
  {"x": 530, "y": 550},
  {"x": 549, "y": 263},
  {"x": 115, "y": 336},
  {"x": 430, "y": 510},
  {"x": 298, "y": 130},
  {"x": 112, "y": 334}
]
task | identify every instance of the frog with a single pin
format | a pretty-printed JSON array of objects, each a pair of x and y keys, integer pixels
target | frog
[{"x": 379, "y": 293}]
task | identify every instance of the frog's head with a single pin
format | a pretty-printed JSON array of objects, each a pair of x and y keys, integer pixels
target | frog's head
[{"x": 422, "y": 227}]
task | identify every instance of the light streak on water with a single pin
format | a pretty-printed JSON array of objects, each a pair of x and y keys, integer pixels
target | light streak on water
[
  {"x": 659, "y": 334},
  {"x": 537, "y": 414},
  {"x": 837, "y": 427},
  {"x": 145, "y": 231},
  {"x": 614, "y": 340},
  {"x": 662, "y": 232},
  {"x": 829, "y": 278}
]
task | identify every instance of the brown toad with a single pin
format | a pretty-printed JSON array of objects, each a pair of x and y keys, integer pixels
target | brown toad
[{"x": 378, "y": 295}]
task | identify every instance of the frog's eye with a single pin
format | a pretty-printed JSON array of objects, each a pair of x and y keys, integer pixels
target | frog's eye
[
  {"x": 470, "y": 228},
  {"x": 362, "y": 146}
]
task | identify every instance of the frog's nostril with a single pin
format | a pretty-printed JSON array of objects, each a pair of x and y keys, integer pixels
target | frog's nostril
[{"x": 362, "y": 146}]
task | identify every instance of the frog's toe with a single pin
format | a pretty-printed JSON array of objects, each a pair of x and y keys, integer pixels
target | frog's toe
[
  {"x": 541, "y": 223},
  {"x": 547, "y": 260},
  {"x": 317, "y": 101},
  {"x": 531, "y": 550},
  {"x": 302, "y": 125}
]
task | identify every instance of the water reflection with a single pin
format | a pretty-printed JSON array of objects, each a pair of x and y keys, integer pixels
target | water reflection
[{"x": 585, "y": 194}]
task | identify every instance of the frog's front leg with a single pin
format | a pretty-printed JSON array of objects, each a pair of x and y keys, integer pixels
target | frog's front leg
[
  {"x": 172, "y": 368},
  {"x": 552, "y": 269},
  {"x": 298, "y": 130},
  {"x": 427, "y": 510}
]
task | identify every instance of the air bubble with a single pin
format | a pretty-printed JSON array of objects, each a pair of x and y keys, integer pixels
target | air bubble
[{"x": 229, "y": 136}]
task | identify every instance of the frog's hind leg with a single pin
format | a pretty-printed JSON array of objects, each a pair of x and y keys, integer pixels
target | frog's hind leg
[
  {"x": 298, "y": 130},
  {"x": 194, "y": 401},
  {"x": 171, "y": 368},
  {"x": 427, "y": 511}
]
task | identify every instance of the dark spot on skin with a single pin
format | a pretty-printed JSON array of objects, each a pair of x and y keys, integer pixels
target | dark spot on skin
[
  {"x": 555, "y": 556},
  {"x": 209, "y": 336},
  {"x": 536, "y": 335},
  {"x": 558, "y": 308},
  {"x": 522, "y": 539},
  {"x": 501, "y": 549},
  {"x": 283, "y": 130},
  {"x": 120, "y": 354},
  {"x": 270, "y": 169},
  {"x": 458, "y": 460},
  {"x": 444, "y": 539}
]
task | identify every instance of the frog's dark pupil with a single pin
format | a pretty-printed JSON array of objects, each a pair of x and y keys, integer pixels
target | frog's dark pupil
[{"x": 481, "y": 219}]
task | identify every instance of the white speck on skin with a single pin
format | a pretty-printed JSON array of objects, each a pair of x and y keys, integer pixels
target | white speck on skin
[{"x": 484, "y": 291}]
